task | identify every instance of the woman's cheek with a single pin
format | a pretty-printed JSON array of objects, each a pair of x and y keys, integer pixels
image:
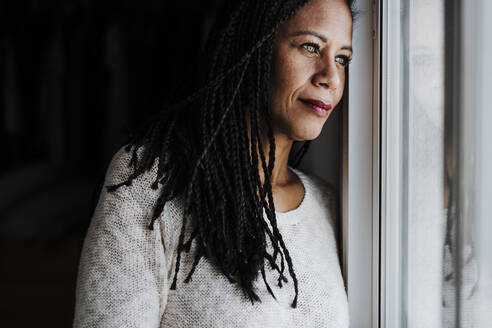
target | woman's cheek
[
  {"x": 295, "y": 67},
  {"x": 342, "y": 85}
]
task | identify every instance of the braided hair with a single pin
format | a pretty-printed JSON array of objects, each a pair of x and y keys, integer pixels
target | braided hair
[{"x": 201, "y": 142}]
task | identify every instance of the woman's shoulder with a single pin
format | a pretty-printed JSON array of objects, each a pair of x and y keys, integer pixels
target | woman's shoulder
[
  {"x": 121, "y": 166},
  {"x": 129, "y": 190},
  {"x": 140, "y": 192}
]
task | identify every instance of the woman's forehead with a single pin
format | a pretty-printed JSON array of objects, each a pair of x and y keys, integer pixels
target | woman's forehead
[{"x": 331, "y": 18}]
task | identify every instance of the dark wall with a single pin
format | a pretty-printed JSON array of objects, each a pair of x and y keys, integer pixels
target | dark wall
[{"x": 74, "y": 76}]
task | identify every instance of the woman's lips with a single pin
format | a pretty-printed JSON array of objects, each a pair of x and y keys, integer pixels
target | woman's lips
[{"x": 318, "y": 106}]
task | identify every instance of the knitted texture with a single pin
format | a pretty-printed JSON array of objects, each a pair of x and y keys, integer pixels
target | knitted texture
[{"x": 126, "y": 270}]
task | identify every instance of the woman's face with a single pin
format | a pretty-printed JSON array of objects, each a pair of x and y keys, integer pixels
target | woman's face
[{"x": 309, "y": 58}]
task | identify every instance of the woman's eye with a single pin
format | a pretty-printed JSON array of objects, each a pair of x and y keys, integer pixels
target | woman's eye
[
  {"x": 311, "y": 47},
  {"x": 343, "y": 60}
]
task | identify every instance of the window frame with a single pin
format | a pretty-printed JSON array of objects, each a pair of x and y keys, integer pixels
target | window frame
[{"x": 360, "y": 171}]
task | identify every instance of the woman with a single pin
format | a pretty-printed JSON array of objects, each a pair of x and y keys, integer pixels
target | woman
[{"x": 212, "y": 176}]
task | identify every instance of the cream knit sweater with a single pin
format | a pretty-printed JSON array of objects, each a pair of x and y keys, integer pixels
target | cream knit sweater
[{"x": 126, "y": 269}]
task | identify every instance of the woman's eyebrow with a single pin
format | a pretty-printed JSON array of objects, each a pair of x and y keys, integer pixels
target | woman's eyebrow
[
  {"x": 349, "y": 48},
  {"x": 319, "y": 36}
]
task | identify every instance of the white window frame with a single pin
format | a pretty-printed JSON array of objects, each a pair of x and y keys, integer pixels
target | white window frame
[
  {"x": 392, "y": 222},
  {"x": 360, "y": 171}
]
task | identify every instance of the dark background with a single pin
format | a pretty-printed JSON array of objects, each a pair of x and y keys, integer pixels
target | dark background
[{"x": 74, "y": 76}]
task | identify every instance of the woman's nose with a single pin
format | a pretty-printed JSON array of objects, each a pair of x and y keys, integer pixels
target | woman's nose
[{"x": 327, "y": 76}]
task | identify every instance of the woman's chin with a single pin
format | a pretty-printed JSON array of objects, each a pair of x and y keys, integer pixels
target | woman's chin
[
  {"x": 301, "y": 128},
  {"x": 306, "y": 135}
]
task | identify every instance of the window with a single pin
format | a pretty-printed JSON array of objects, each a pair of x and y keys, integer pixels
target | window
[{"x": 416, "y": 182}]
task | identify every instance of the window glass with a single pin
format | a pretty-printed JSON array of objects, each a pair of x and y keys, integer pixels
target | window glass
[{"x": 423, "y": 211}]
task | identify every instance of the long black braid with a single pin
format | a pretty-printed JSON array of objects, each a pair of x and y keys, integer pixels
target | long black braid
[{"x": 204, "y": 151}]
